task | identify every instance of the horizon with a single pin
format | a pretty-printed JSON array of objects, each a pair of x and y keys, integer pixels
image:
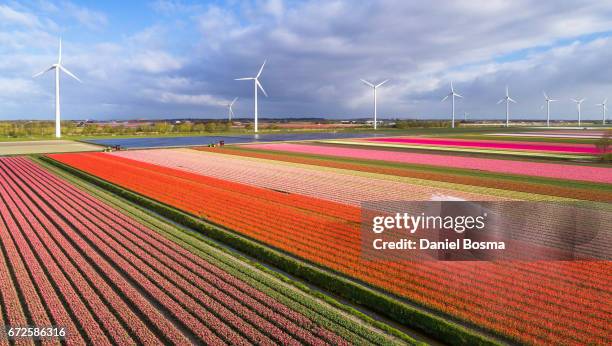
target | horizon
[{"x": 149, "y": 59}]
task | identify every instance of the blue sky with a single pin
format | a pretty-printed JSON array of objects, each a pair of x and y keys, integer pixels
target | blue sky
[{"x": 172, "y": 58}]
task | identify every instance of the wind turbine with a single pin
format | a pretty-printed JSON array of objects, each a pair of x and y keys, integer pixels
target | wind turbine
[
  {"x": 548, "y": 100},
  {"x": 604, "y": 107},
  {"x": 375, "y": 87},
  {"x": 57, "y": 67},
  {"x": 578, "y": 103},
  {"x": 452, "y": 95},
  {"x": 230, "y": 112},
  {"x": 508, "y": 99},
  {"x": 257, "y": 84}
]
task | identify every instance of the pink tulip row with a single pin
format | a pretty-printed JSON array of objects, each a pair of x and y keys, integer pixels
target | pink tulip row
[
  {"x": 214, "y": 306},
  {"x": 493, "y": 144},
  {"x": 549, "y": 170},
  {"x": 332, "y": 186}
]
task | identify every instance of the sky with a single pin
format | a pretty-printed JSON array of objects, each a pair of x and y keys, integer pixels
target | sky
[{"x": 178, "y": 59}]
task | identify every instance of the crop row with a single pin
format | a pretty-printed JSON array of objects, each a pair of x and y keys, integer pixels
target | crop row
[
  {"x": 518, "y": 299},
  {"x": 469, "y": 181},
  {"x": 492, "y": 144},
  {"x": 106, "y": 277},
  {"x": 538, "y": 169}
]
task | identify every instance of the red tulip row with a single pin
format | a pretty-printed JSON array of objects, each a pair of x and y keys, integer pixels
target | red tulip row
[
  {"x": 214, "y": 306},
  {"x": 525, "y": 300}
]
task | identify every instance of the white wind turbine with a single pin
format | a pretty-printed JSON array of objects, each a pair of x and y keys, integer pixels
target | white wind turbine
[
  {"x": 257, "y": 85},
  {"x": 230, "y": 112},
  {"x": 548, "y": 100},
  {"x": 508, "y": 99},
  {"x": 578, "y": 104},
  {"x": 452, "y": 95},
  {"x": 375, "y": 87},
  {"x": 604, "y": 108},
  {"x": 58, "y": 67}
]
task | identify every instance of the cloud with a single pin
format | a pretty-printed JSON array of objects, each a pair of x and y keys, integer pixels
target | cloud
[
  {"x": 91, "y": 19},
  {"x": 181, "y": 58},
  {"x": 185, "y": 99},
  {"x": 8, "y": 16}
]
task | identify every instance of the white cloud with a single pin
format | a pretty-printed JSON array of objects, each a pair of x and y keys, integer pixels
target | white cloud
[
  {"x": 8, "y": 15},
  {"x": 187, "y": 99}
]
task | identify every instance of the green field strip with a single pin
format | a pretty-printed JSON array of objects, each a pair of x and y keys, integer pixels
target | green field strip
[{"x": 447, "y": 330}]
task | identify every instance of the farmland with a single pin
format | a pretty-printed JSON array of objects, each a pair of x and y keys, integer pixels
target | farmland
[
  {"x": 41, "y": 147},
  {"x": 69, "y": 259},
  {"x": 531, "y": 302},
  {"x": 537, "y": 169}
]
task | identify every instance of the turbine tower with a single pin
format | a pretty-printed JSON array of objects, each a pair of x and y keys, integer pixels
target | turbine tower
[
  {"x": 604, "y": 107},
  {"x": 548, "y": 100},
  {"x": 507, "y": 99},
  {"x": 452, "y": 95},
  {"x": 58, "y": 67},
  {"x": 257, "y": 85},
  {"x": 230, "y": 112},
  {"x": 375, "y": 87},
  {"x": 578, "y": 104}
]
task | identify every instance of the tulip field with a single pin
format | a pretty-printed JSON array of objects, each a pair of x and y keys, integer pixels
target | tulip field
[
  {"x": 71, "y": 260},
  {"x": 526, "y": 168},
  {"x": 312, "y": 214},
  {"x": 491, "y": 144}
]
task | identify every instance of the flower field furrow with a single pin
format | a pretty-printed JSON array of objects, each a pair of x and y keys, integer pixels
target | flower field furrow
[
  {"x": 497, "y": 296},
  {"x": 538, "y": 169},
  {"x": 33, "y": 302},
  {"x": 512, "y": 145},
  {"x": 89, "y": 326},
  {"x": 120, "y": 286},
  {"x": 108, "y": 278},
  {"x": 96, "y": 303}
]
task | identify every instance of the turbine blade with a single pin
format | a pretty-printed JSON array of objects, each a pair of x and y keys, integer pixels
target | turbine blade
[
  {"x": 545, "y": 96},
  {"x": 605, "y": 101},
  {"x": 234, "y": 101},
  {"x": 507, "y": 91},
  {"x": 575, "y": 100},
  {"x": 452, "y": 89},
  {"x": 261, "y": 87},
  {"x": 245, "y": 78},
  {"x": 261, "y": 68},
  {"x": 69, "y": 73},
  {"x": 367, "y": 83},
  {"x": 457, "y": 95},
  {"x": 44, "y": 71},
  {"x": 380, "y": 84},
  {"x": 444, "y": 99},
  {"x": 511, "y": 100},
  {"x": 500, "y": 101}
]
